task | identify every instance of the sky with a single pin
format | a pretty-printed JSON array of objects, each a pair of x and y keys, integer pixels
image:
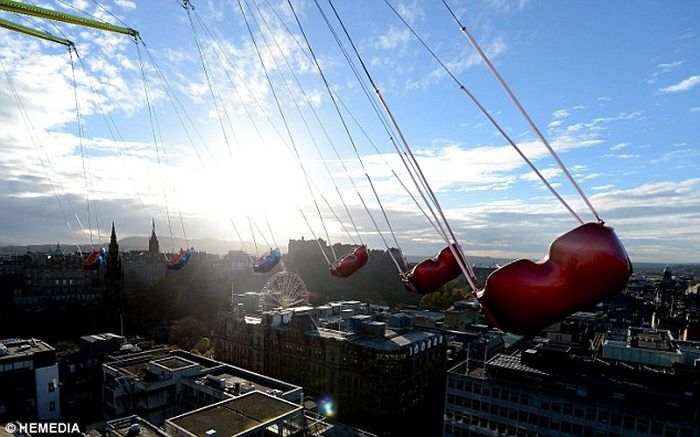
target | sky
[{"x": 249, "y": 120}]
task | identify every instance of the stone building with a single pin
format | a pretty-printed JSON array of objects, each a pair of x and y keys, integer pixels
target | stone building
[{"x": 386, "y": 379}]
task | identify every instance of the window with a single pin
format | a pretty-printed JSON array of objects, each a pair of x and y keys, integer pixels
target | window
[
  {"x": 524, "y": 398},
  {"x": 52, "y": 406},
  {"x": 52, "y": 386}
]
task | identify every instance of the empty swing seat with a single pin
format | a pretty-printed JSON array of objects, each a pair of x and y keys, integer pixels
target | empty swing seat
[
  {"x": 350, "y": 262},
  {"x": 584, "y": 266},
  {"x": 431, "y": 274}
]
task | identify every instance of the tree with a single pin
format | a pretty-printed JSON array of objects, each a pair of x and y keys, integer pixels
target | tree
[
  {"x": 187, "y": 332},
  {"x": 443, "y": 298}
]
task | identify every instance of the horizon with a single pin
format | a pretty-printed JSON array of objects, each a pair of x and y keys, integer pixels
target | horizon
[
  {"x": 237, "y": 152},
  {"x": 284, "y": 249}
]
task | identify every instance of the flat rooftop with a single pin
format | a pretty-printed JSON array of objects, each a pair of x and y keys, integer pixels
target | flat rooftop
[
  {"x": 174, "y": 363},
  {"x": 513, "y": 362},
  {"x": 653, "y": 339},
  {"x": 395, "y": 341},
  {"x": 235, "y": 416},
  {"x": 127, "y": 427},
  {"x": 12, "y": 348}
]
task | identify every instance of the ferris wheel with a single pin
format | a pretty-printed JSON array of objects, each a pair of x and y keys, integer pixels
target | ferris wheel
[{"x": 283, "y": 290}]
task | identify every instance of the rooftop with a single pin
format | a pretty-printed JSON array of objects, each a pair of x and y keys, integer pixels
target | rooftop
[
  {"x": 174, "y": 363},
  {"x": 395, "y": 340},
  {"x": 235, "y": 416},
  {"x": 513, "y": 362},
  {"x": 133, "y": 425},
  {"x": 11, "y": 348},
  {"x": 102, "y": 337},
  {"x": 654, "y": 339}
]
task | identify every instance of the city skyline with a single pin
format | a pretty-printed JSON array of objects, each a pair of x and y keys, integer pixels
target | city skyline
[{"x": 613, "y": 87}]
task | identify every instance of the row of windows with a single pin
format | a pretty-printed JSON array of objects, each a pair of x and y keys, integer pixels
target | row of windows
[
  {"x": 17, "y": 365},
  {"x": 523, "y": 398},
  {"x": 56, "y": 298},
  {"x": 578, "y": 411},
  {"x": 72, "y": 291},
  {"x": 496, "y": 393},
  {"x": 627, "y": 424}
]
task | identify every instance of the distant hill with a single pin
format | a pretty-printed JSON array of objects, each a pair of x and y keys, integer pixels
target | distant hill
[{"x": 477, "y": 261}]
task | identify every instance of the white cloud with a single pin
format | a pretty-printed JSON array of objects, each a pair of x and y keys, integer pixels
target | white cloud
[
  {"x": 393, "y": 38},
  {"x": 547, "y": 173},
  {"x": 620, "y": 146},
  {"x": 622, "y": 155},
  {"x": 555, "y": 124},
  {"x": 606, "y": 187},
  {"x": 662, "y": 69},
  {"x": 507, "y": 5},
  {"x": 411, "y": 12},
  {"x": 560, "y": 113},
  {"x": 126, "y": 4},
  {"x": 683, "y": 85}
]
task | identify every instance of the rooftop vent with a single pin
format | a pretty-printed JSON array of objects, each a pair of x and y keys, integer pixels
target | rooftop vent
[{"x": 134, "y": 429}]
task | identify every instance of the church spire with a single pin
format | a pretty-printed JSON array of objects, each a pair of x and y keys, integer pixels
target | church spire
[
  {"x": 114, "y": 281},
  {"x": 113, "y": 237},
  {"x": 153, "y": 245}
]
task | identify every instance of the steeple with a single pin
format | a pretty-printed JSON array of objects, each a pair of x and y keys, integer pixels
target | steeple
[
  {"x": 113, "y": 260},
  {"x": 113, "y": 237},
  {"x": 114, "y": 281},
  {"x": 153, "y": 245}
]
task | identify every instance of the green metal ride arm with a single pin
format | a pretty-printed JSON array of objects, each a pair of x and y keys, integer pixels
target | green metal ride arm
[
  {"x": 20, "y": 8},
  {"x": 32, "y": 32}
]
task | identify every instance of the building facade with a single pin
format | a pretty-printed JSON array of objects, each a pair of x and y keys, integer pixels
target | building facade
[
  {"x": 388, "y": 380},
  {"x": 56, "y": 279},
  {"x": 549, "y": 391},
  {"x": 29, "y": 384}
]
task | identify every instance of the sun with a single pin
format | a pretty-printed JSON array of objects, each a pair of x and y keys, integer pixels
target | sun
[{"x": 260, "y": 182}]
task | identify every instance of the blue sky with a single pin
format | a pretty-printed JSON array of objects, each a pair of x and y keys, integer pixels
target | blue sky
[{"x": 614, "y": 87}]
